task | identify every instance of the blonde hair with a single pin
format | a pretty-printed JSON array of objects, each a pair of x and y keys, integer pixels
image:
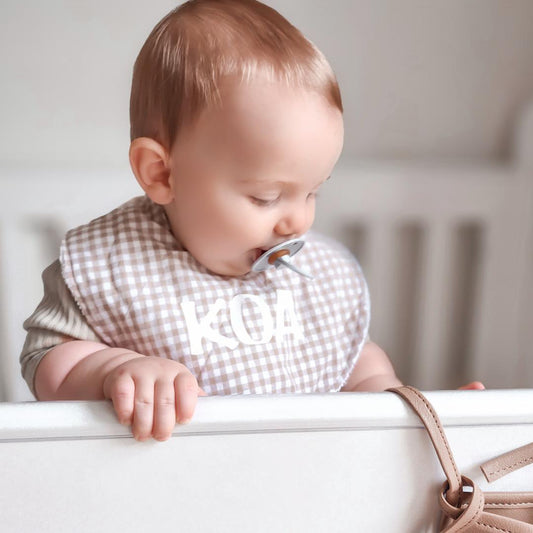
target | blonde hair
[{"x": 178, "y": 70}]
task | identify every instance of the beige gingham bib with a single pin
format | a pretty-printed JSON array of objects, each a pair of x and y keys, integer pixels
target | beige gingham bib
[{"x": 265, "y": 332}]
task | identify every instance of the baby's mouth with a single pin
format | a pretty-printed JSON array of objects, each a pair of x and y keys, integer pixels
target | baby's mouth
[{"x": 258, "y": 252}]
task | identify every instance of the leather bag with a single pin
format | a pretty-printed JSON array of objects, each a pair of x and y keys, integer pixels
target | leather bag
[{"x": 465, "y": 507}]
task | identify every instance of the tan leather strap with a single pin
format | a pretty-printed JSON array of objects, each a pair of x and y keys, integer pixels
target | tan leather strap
[
  {"x": 508, "y": 462},
  {"x": 468, "y": 514},
  {"x": 421, "y": 406}
]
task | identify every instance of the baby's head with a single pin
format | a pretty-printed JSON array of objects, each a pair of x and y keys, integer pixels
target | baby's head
[
  {"x": 199, "y": 44},
  {"x": 236, "y": 120}
]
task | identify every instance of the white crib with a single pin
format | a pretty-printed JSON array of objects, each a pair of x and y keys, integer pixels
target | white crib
[
  {"x": 448, "y": 252},
  {"x": 304, "y": 463}
]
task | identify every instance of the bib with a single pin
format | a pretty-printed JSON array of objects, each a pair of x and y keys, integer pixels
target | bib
[{"x": 265, "y": 332}]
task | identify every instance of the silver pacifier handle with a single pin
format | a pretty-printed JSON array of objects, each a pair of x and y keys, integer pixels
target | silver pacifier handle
[{"x": 277, "y": 256}]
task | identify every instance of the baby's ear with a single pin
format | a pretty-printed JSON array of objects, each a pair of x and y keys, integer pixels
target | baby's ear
[{"x": 149, "y": 161}]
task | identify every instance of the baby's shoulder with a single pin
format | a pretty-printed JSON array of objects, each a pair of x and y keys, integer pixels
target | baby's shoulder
[
  {"x": 128, "y": 230},
  {"x": 132, "y": 214}
]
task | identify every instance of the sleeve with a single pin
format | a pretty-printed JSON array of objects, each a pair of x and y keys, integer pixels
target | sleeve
[{"x": 56, "y": 320}]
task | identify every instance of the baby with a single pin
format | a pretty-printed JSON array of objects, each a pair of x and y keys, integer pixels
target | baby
[{"x": 236, "y": 122}]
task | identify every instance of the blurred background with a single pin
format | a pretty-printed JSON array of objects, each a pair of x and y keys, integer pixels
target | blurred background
[{"x": 442, "y": 87}]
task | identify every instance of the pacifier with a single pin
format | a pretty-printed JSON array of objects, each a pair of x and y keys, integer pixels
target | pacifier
[{"x": 279, "y": 256}]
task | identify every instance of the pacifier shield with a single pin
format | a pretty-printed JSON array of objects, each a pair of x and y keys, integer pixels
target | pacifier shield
[{"x": 278, "y": 255}]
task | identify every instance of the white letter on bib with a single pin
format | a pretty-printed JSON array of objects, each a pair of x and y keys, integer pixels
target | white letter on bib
[
  {"x": 237, "y": 322},
  {"x": 285, "y": 306},
  {"x": 200, "y": 329}
]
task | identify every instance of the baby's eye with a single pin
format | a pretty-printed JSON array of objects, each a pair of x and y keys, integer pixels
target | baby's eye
[
  {"x": 312, "y": 195},
  {"x": 264, "y": 202}
]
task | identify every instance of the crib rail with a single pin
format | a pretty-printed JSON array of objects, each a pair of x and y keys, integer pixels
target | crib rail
[{"x": 27, "y": 421}]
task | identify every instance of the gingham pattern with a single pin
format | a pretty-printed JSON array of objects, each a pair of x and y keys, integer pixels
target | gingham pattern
[{"x": 132, "y": 282}]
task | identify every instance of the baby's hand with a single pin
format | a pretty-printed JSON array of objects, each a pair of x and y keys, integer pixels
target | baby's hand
[
  {"x": 151, "y": 394},
  {"x": 475, "y": 385}
]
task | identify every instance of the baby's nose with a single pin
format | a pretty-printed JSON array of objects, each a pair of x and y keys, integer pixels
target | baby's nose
[{"x": 293, "y": 223}]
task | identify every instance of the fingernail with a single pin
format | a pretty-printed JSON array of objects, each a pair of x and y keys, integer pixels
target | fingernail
[{"x": 185, "y": 421}]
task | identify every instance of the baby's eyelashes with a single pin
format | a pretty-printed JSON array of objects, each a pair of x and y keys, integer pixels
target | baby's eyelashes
[{"x": 264, "y": 202}]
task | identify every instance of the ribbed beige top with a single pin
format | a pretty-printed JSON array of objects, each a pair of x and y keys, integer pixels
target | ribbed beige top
[{"x": 57, "y": 319}]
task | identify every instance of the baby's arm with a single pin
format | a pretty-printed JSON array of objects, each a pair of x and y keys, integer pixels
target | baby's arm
[
  {"x": 150, "y": 393},
  {"x": 373, "y": 371},
  {"x": 57, "y": 367}
]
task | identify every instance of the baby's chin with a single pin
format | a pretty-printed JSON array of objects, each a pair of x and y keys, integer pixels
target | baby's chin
[{"x": 228, "y": 269}]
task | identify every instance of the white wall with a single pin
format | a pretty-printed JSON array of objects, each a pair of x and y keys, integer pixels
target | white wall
[{"x": 443, "y": 78}]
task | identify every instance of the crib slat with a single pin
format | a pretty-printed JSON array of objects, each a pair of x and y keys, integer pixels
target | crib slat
[
  {"x": 429, "y": 368},
  {"x": 27, "y": 246},
  {"x": 381, "y": 253},
  {"x": 500, "y": 356},
  {"x": 525, "y": 158},
  {"x": 525, "y": 335},
  {"x": 12, "y": 282}
]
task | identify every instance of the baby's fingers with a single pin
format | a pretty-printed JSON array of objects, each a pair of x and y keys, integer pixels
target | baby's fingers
[
  {"x": 187, "y": 390},
  {"x": 164, "y": 410},
  {"x": 474, "y": 385},
  {"x": 143, "y": 415},
  {"x": 122, "y": 395}
]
